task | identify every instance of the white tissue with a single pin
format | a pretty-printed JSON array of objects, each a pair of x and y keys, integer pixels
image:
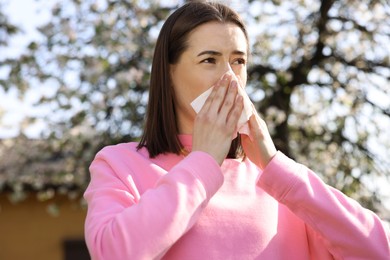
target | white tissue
[{"x": 242, "y": 125}]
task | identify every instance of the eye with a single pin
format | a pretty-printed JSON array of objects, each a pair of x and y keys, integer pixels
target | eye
[
  {"x": 209, "y": 60},
  {"x": 239, "y": 61}
]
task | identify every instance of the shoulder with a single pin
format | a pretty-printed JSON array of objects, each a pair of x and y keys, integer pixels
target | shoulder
[
  {"x": 121, "y": 151},
  {"x": 131, "y": 146}
]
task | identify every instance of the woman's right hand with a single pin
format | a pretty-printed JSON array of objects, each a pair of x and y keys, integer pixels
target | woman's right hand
[{"x": 217, "y": 120}]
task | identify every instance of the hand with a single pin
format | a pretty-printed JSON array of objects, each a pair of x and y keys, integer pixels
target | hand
[
  {"x": 261, "y": 149},
  {"x": 217, "y": 120}
]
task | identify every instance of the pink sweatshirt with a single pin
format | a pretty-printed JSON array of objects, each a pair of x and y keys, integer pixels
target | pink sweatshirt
[{"x": 176, "y": 207}]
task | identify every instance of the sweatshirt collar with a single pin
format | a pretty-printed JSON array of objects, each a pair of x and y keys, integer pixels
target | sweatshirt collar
[{"x": 185, "y": 140}]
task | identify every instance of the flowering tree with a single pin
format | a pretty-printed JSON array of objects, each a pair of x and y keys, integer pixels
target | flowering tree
[
  {"x": 319, "y": 75},
  {"x": 324, "y": 73}
]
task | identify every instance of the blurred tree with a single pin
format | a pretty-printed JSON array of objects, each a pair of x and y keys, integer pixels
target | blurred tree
[
  {"x": 322, "y": 68},
  {"x": 319, "y": 74},
  {"x": 94, "y": 63}
]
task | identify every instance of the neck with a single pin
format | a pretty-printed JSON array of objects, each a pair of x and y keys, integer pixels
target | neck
[{"x": 185, "y": 124}]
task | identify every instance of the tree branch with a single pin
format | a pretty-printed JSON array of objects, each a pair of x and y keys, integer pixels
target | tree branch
[{"x": 260, "y": 69}]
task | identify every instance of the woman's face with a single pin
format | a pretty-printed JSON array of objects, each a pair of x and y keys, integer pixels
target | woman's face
[{"x": 213, "y": 49}]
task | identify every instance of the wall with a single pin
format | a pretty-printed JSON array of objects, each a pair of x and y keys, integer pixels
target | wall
[{"x": 28, "y": 231}]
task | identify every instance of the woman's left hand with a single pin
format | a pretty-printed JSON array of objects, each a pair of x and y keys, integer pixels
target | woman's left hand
[{"x": 261, "y": 148}]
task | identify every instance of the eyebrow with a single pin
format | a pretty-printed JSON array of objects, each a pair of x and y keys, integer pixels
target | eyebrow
[{"x": 216, "y": 53}]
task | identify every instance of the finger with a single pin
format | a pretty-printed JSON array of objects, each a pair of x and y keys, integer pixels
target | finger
[
  {"x": 257, "y": 126},
  {"x": 252, "y": 122},
  {"x": 235, "y": 112},
  {"x": 254, "y": 110},
  {"x": 210, "y": 98},
  {"x": 240, "y": 82},
  {"x": 220, "y": 93},
  {"x": 229, "y": 101}
]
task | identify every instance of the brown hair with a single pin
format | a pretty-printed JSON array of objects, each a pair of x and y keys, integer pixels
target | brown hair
[{"x": 161, "y": 131}]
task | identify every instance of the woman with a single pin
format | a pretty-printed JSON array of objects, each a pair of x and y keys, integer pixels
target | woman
[{"x": 187, "y": 191}]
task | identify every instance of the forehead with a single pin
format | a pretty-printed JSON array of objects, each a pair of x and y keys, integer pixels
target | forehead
[{"x": 217, "y": 36}]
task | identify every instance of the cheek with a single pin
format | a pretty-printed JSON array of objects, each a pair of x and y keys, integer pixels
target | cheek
[
  {"x": 242, "y": 75},
  {"x": 189, "y": 86},
  {"x": 244, "y": 78},
  {"x": 198, "y": 83}
]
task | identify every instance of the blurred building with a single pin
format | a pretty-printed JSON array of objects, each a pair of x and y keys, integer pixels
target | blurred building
[
  {"x": 34, "y": 229},
  {"x": 42, "y": 212}
]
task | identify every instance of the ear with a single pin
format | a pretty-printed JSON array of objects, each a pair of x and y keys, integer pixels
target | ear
[{"x": 172, "y": 69}]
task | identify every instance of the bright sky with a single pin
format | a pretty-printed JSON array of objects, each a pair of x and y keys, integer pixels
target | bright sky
[{"x": 12, "y": 109}]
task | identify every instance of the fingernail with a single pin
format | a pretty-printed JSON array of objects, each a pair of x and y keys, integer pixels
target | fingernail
[
  {"x": 233, "y": 84},
  {"x": 226, "y": 77}
]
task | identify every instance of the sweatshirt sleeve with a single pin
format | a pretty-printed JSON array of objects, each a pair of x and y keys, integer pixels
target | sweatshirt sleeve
[
  {"x": 121, "y": 224},
  {"x": 348, "y": 230}
]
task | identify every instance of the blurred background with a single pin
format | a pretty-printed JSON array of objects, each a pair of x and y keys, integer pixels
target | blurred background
[{"x": 74, "y": 77}]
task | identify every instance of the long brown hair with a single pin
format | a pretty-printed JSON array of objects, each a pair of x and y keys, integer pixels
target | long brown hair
[{"x": 161, "y": 130}]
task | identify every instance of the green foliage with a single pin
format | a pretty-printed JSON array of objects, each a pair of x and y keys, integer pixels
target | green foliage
[{"x": 315, "y": 66}]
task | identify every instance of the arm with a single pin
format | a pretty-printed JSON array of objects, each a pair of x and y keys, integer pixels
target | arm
[
  {"x": 123, "y": 225},
  {"x": 349, "y": 230}
]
